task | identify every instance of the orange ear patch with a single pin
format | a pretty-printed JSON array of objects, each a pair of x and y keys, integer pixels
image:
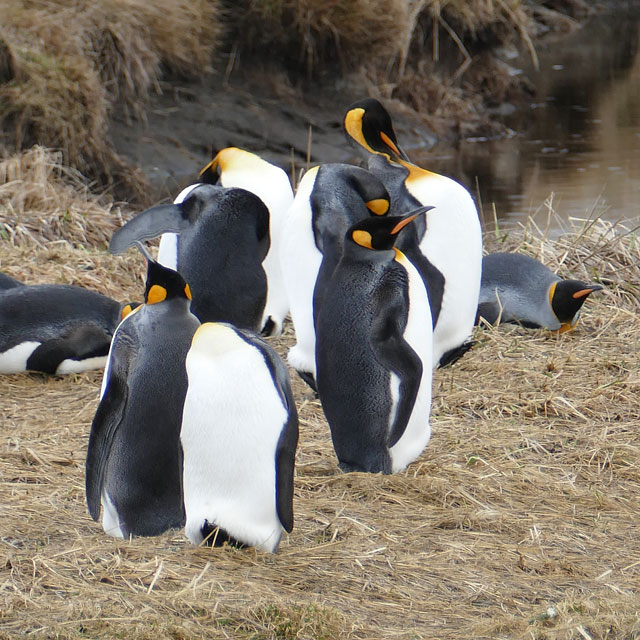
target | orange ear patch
[
  {"x": 363, "y": 238},
  {"x": 187, "y": 291},
  {"x": 156, "y": 294},
  {"x": 126, "y": 310},
  {"x": 379, "y": 206}
]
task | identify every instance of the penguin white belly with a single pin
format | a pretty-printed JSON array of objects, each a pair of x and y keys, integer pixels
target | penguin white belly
[
  {"x": 453, "y": 244},
  {"x": 78, "y": 366},
  {"x": 168, "y": 250},
  {"x": 301, "y": 260},
  {"x": 110, "y": 518},
  {"x": 14, "y": 360},
  {"x": 418, "y": 335},
  {"x": 232, "y": 419}
]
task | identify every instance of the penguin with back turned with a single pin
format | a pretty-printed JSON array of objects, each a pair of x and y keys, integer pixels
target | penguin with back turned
[
  {"x": 374, "y": 351},
  {"x": 217, "y": 238},
  {"x": 519, "y": 289},
  {"x": 56, "y": 328},
  {"x": 329, "y": 199},
  {"x": 239, "y": 437},
  {"x": 134, "y": 466},
  {"x": 233, "y": 167},
  {"x": 449, "y": 237}
]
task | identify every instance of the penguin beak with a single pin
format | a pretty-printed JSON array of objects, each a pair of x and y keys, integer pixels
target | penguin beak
[
  {"x": 397, "y": 151},
  {"x": 583, "y": 293},
  {"x": 209, "y": 174},
  {"x": 410, "y": 217}
]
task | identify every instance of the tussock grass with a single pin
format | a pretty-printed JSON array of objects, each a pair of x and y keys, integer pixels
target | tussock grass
[
  {"x": 63, "y": 65},
  {"x": 519, "y": 520}
]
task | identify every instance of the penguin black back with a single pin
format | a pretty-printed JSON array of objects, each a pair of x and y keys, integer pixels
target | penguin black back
[
  {"x": 362, "y": 352},
  {"x": 223, "y": 239},
  {"x": 133, "y": 466}
]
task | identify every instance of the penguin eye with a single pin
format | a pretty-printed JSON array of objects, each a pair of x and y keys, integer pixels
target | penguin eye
[
  {"x": 363, "y": 238},
  {"x": 187, "y": 291},
  {"x": 379, "y": 206},
  {"x": 156, "y": 294}
]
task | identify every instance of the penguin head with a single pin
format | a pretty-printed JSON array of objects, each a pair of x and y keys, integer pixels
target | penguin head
[
  {"x": 231, "y": 159},
  {"x": 566, "y": 298},
  {"x": 164, "y": 284},
  {"x": 368, "y": 124},
  {"x": 379, "y": 233}
]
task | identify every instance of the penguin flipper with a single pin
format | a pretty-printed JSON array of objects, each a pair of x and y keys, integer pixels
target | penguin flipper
[
  {"x": 164, "y": 218},
  {"x": 286, "y": 449},
  {"x": 107, "y": 420},
  {"x": 489, "y": 311},
  {"x": 396, "y": 355},
  {"x": 79, "y": 343}
]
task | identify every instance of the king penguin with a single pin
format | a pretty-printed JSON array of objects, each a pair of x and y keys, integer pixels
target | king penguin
[
  {"x": 134, "y": 466},
  {"x": 374, "y": 351},
  {"x": 233, "y": 167},
  {"x": 222, "y": 240},
  {"x": 239, "y": 437},
  {"x": 518, "y": 288},
  {"x": 56, "y": 328},
  {"x": 329, "y": 199},
  {"x": 450, "y": 237}
]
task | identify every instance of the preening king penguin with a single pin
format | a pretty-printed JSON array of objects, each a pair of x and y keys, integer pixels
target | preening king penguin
[
  {"x": 329, "y": 199},
  {"x": 233, "y": 167},
  {"x": 56, "y": 328},
  {"x": 222, "y": 239},
  {"x": 518, "y": 288},
  {"x": 134, "y": 466},
  {"x": 450, "y": 237},
  {"x": 374, "y": 351},
  {"x": 239, "y": 437}
]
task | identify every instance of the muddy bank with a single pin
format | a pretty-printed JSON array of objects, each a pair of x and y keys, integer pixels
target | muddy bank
[{"x": 188, "y": 122}]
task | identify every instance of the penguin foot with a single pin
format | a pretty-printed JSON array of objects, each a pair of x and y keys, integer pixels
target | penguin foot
[
  {"x": 215, "y": 536},
  {"x": 453, "y": 355}
]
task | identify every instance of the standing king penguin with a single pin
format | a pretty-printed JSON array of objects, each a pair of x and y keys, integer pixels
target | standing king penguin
[
  {"x": 56, "y": 328},
  {"x": 134, "y": 466},
  {"x": 329, "y": 199},
  {"x": 222, "y": 240},
  {"x": 239, "y": 437},
  {"x": 233, "y": 167},
  {"x": 518, "y": 288},
  {"x": 374, "y": 351},
  {"x": 450, "y": 236}
]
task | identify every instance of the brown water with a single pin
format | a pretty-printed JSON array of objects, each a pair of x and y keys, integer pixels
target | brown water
[{"x": 578, "y": 140}]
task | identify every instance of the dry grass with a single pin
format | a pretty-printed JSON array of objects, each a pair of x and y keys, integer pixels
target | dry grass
[
  {"x": 64, "y": 64},
  {"x": 519, "y": 520}
]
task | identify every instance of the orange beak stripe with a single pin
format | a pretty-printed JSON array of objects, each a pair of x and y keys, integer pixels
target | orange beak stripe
[
  {"x": 582, "y": 293},
  {"x": 387, "y": 140},
  {"x": 403, "y": 223}
]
